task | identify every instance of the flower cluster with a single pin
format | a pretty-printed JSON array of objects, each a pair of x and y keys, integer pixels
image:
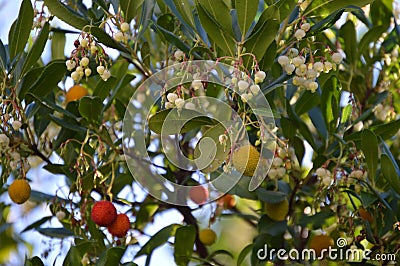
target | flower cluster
[
  {"x": 306, "y": 73},
  {"x": 123, "y": 34},
  {"x": 79, "y": 63}
]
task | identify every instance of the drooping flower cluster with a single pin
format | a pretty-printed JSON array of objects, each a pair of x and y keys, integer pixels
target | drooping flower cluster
[{"x": 86, "y": 50}]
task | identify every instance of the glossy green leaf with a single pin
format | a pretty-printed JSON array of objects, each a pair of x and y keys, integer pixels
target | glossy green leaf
[
  {"x": 243, "y": 254},
  {"x": 28, "y": 80},
  {"x": 215, "y": 31},
  {"x": 66, "y": 14},
  {"x": 158, "y": 239},
  {"x": 57, "y": 45},
  {"x": 35, "y": 261},
  {"x": 317, "y": 120},
  {"x": 306, "y": 101},
  {"x": 146, "y": 211},
  {"x": 346, "y": 113},
  {"x": 37, "y": 48},
  {"x": 286, "y": 7},
  {"x": 330, "y": 103},
  {"x": 316, "y": 220},
  {"x": 106, "y": 39},
  {"x": 90, "y": 108},
  {"x": 3, "y": 56},
  {"x": 369, "y": 146},
  {"x": 173, "y": 39},
  {"x": 246, "y": 11},
  {"x": 145, "y": 17},
  {"x": 130, "y": 8},
  {"x": 184, "y": 242},
  {"x": 167, "y": 21},
  {"x": 57, "y": 232},
  {"x": 326, "y": 7},
  {"x": 270, "y": 196},
  {"x": 51, "y": 76},
  {"x": 348, "y": 33},
  {"x": 389, "y": 172},
  {"x": 299, "y": 148},
  {"x": 208, "y": 148},
  {"x": 111, "y": 256},
  {"x": 19, "y": 34},
  {"x": 37, "y": 223},
  {"x": 219, "y": 12},
  {"x": 178, "y": 121},
  {"x": 259, "y": 41}
]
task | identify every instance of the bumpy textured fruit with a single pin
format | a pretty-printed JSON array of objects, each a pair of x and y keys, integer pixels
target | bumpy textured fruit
[
  {"x": 245, "y": 159},
  {"x": 277, "y": 211},
  {"x": 365, "y": 215},
  {"x": 320, "y": 242},
  {"x": 207, "y": 236},
  {"x": 103, "y": 213},
  {"x": 120, "y": 226},
  {"x": 228, "y": 201},
  {"x": 75, "y": 93},
  {"x": 199, "y": 194},
  {"x": 19, "y": 191}
]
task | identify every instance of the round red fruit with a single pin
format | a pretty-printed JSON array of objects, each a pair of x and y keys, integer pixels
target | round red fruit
[
  {"x": 120, "y": 226},
  {"x": 199, "y": 194},
  {"x": 103, "y": 213}
]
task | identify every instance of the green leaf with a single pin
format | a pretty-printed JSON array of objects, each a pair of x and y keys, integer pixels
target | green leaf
[
  {"x": 35, "y": 261},
  {"x": 106, "y": 39},
  {"x": 75, "y": 253},
  {"x": 3, "y": 56},
  {"x": 130, "y": 8},
  {"x": 48, "y": 80},
  {"x": 348, "y": 33},
  {"x": 60, "y": 232},
  {"x": 46, "y": 103},
  {"x": 288, "y": 127},
  {"x": 145, "y": 214},
  {"x": 286, "y": 7},
  {"x": 299, "y": 148},
  {"x": 178, "y": 121},
  {"x": 326, "y": 7},
  {"x": 158, "y": 239},
  {"x": 259, "y": 41},
  {"x": 184, "y": 242},
  {"x": 243, "y": 254},
  {"x": 90, "y": 108},
  {"x": 219, "y": 12},
  {"x": 66, "y": 14},
  {"x": 145, "y": 17},
  {"x": 215, "y": 31},
  {"x": 173, "y": 39},
  {"x": 330, "y": 103},
  {"x": 167, "y": 21},
  {"x": 306, "y": 101},
  {"x": 369, "y": 146},
  {"x": 317, "y": 220},
  {"x": 346, "y": 113},
  {"x": 246, "y": 11},
  {"x": 326, "y": 23},
  {"x": 111, "y": 256},
  {"x": 19, "y": 34},
  {"x": 37, "y": 223},
  {"x": 389, "y": 172},
  {"x": 57, "y": 45},
  {"x": 208, "y": 148},
  {"x": 270, "y": 196},
  {"x": 37, "y": 48}
]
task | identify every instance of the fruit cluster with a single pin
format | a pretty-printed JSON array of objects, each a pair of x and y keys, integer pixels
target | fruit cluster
[{"x": 105, "y": 214}]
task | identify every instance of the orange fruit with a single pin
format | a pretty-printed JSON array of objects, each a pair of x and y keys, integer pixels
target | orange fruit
[
  {"x": 321, "y": 242},
  {"x": 103, "y": 213},
  {"x": 228, "y": 201},
  {"x": 75, "y": 93},
  {"x": 120, "y": 226},
  {"x": 207, "y": 236},
  {"x": 277, "y": 211},
  {"x": 19, "y": 191},
  {"x": 365, "y": 215},
  {"x": 199, "y": 194},
  {"x": 245, "y": 159}
]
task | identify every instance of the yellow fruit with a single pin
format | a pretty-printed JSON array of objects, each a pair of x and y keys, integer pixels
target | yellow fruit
[
  {"x": 320, "y": 242},
  {"x": 365, "y": 215},
  {"x": 75, "y": 93},
  {"x": 245, "y": 159},
  {"x": 207, "y": 236},
  {"x": 277, "y": 211},
  {"x": 19, "y": 191}
]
